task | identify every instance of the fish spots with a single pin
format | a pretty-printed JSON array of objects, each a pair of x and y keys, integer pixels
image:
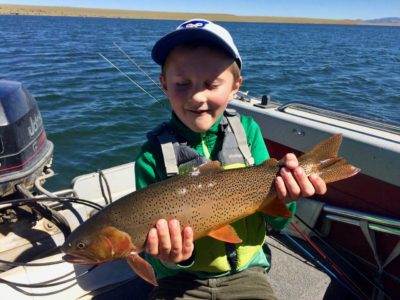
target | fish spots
[{"x": 205, "y": 201}]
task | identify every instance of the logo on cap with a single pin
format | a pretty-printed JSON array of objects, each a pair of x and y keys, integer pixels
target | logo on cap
[{"x": 194, "y": 24}]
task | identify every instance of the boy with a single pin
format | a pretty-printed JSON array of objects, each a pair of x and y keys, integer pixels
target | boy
[{"x": 200, "y": 74}]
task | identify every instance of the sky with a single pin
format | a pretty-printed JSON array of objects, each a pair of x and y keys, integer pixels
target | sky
[{"x": 325, "y": 9}]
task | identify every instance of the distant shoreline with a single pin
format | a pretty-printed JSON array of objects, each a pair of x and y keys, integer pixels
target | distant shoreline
[{"x": 12, "y": 9}]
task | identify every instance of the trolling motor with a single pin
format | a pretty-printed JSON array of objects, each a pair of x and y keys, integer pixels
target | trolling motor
[
  {"x": 24, "y": 148},
  {"x": 25, "y": 155}
]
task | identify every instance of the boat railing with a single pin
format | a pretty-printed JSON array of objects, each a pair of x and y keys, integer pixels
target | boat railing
[
  {"x": 376, "y": 223},
  {"x": 342, "y": 116},
  {"x": 369, "y": 224}
]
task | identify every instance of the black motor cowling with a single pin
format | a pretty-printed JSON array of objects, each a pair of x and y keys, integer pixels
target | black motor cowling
[{"x": 24, "y": 148}]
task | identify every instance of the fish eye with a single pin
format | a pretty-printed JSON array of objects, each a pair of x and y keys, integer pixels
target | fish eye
[{"x": 80, "y": 245}]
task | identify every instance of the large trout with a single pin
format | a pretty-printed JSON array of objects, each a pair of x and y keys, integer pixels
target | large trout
[{"x": 208, "y": 199}]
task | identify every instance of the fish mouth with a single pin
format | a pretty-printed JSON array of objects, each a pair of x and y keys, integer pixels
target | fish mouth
[{"x": 80, "y": 259}]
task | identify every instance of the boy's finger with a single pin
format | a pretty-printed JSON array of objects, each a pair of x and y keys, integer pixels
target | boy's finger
[
  {"x": 318, "y": 183},
  {"x": 164, "y": 239},
  {"x": 291, "y": 184},
  {"x": 152, "y": 242},
  {"x": 187, "y": 246},
  {"x": 176, "y": 240},
  {"x": 290, "y": 161},
  {"x": 280, "y": 188},
  {"x": 307, "y": 188}
]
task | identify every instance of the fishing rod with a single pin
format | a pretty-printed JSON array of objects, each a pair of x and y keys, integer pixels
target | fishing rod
[
  {"x": 348, "y": 263},
  {"x": 128, "y": 77},
  {"x": 320, "y": 264},
  {"x": 336, "y": 268},
  {"x": 139, "y": 67}
]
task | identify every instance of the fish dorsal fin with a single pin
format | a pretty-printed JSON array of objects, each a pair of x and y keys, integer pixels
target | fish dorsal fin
[
  {"x": 276, "y": 208},
  {"x": 207, "y": 168},
  {"x": 142, "y": 268},
  {"x": 226, "y": 234}
]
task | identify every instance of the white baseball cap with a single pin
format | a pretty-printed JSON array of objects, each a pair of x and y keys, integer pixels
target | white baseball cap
[{"x": 195, "y": 30}]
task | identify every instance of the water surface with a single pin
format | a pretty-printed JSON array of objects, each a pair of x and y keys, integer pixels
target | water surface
[{"x": 97, "y": 118}]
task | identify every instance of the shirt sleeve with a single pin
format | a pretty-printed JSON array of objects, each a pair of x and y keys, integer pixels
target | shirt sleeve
[{"x": 147, "y": 170}]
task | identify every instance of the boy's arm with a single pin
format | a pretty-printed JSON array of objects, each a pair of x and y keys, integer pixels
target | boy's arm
[
  {"x": 260, "y": 154},
  {"x": 145, "y": 168},
  {"x": 289, "y": 187}
]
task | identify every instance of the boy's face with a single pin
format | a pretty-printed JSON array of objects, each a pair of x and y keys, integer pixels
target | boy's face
[{"x": 199, "y": 84}]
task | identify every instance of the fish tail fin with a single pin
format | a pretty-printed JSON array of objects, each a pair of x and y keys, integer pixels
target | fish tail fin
[{"x": 323, "y": 160}]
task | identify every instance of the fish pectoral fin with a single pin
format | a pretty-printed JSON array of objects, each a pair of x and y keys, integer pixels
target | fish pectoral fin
[
  {"x": 142, "y": 268},
  {"x": 226, "y": 234},
  {"x": 276, "y": 208}
]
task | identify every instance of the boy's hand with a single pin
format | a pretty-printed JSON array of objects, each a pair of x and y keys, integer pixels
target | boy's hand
[
  {"x": 293, "y": 182},
  {"x": 169, "y": 243}
]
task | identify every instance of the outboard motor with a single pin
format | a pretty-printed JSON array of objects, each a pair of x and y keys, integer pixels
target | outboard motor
[{"x": 24, "y": 148}]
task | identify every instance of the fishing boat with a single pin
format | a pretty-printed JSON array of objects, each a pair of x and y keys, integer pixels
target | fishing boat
[{"x": 343, "y": 245}]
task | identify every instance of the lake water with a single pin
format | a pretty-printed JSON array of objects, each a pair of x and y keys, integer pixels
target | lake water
[{"x": 97, "y": 118}]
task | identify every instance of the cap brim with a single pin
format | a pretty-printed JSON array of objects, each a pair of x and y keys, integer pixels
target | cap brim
[{"x": 165, "y": 45}]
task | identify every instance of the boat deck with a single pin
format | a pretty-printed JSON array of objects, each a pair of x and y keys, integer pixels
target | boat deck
[{"x": 294, "y": 277}]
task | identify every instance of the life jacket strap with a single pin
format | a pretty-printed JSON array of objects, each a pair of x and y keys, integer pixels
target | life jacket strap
[
  {"x": 180, "y": 158},
  {"x": 231, "y": 255},
  {"x": 241, "y": 139},
  {"x": 167, "y": 148}
]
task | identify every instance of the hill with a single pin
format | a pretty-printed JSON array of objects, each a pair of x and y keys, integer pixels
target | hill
[
  {"x": 11, "y": 9},
  {"x": 390, "y": 20}
]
